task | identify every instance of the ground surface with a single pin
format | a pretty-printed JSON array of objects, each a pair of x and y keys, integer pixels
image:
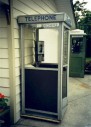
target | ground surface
[{"x": 78, "y": 112}]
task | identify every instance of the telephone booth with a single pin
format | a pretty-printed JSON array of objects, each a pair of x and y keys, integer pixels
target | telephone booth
[
  {"x": 44, "y": 83},
  {"x": 77, "y": 53}
]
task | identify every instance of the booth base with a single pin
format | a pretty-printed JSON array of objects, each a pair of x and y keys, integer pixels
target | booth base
[{"x": 41, "y": 118}]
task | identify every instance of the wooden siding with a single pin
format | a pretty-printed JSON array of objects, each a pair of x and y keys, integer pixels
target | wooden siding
[
  {"x": 3, "y": 43},
  {"x": 4, "y": 62},
  {"x": 22, "y": 7},
  {"x": 4, "y": 82},
  {"x": 65, "y": 6}
]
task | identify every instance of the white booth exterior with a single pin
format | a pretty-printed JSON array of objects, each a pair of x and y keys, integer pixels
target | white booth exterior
[{"x": 63, "y": 23}]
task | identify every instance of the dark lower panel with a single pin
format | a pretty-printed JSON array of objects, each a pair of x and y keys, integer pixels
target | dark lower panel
[{"x": 41, "y": 89}]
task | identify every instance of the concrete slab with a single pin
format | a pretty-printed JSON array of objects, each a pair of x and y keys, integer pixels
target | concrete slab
[{"x": 78, "y": 113}]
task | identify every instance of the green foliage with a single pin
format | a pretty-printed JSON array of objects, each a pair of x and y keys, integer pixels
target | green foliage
[
  {"x": 83, "y": 16},
  {"x": 3, "y": 101},
  {"x": 79, "y": 9},
  {"x": 85, "y": 23}
]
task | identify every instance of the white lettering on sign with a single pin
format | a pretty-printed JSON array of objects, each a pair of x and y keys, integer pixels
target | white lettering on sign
[
  {"x": 50, "y": 25},
  {"x": 40, "y": 18}
]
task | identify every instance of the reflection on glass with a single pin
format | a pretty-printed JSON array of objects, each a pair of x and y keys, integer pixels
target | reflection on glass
[
  {"x": 76, "y": 45},
  {"x": 65, "y": 47}
]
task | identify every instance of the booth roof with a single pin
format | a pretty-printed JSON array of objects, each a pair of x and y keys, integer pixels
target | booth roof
[{"x": 77, "y": 31}]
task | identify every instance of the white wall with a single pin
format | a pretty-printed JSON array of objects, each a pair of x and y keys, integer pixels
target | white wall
[
  {"x": 50, "y": 38},
  {"x": 4, "y": 62},
  {"x": 23, "y": 7}
]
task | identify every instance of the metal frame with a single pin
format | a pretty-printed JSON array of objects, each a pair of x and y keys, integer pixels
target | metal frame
[
  {"x": 22, "y": 63},
  {"x": 62, "y": 24},
  {"x": 60, "y": 64}
]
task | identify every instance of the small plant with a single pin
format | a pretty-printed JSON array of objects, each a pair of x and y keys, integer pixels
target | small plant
[{"x": 3, "y": 101}]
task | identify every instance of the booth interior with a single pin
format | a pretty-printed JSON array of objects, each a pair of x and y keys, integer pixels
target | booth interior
[{"x": 44, "y": 68}]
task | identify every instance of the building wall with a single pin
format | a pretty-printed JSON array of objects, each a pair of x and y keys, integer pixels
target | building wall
[
  {"x": 29, "y": 7},
  {"x": 19, "y": 7},
  {"x": 66, "y": 7},
  {"x": 4, "y": 62}
]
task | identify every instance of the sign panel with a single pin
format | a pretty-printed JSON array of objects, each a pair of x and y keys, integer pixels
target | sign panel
[{"x": 46, "y": 18}]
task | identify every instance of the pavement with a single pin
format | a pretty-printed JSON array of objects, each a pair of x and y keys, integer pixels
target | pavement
[{"x": 78, "y": 113}]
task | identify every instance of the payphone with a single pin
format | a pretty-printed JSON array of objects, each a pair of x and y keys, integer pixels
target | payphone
[
  {"x": 39, "y": 51},
  {"x": 44, "y": 87},
  {"x": 76, "y": 45}
]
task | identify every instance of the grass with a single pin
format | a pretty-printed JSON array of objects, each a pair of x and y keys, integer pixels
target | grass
[{"x": 88, "y": 59}]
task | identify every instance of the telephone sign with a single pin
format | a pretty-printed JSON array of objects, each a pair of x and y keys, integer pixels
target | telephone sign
[{"x": 46, "y": 18}]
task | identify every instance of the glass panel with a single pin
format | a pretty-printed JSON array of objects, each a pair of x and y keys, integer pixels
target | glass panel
[
  {"x": 76, "y": 45},
  {"x": 65, "y": 46}
]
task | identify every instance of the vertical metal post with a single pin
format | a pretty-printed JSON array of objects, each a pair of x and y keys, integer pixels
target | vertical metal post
[
  {"x": 22, "y": 65},
  {"x": 60, "y": 69},
  {"x": 36, "y": 45},
  {"x": 68, "y": 60}
]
